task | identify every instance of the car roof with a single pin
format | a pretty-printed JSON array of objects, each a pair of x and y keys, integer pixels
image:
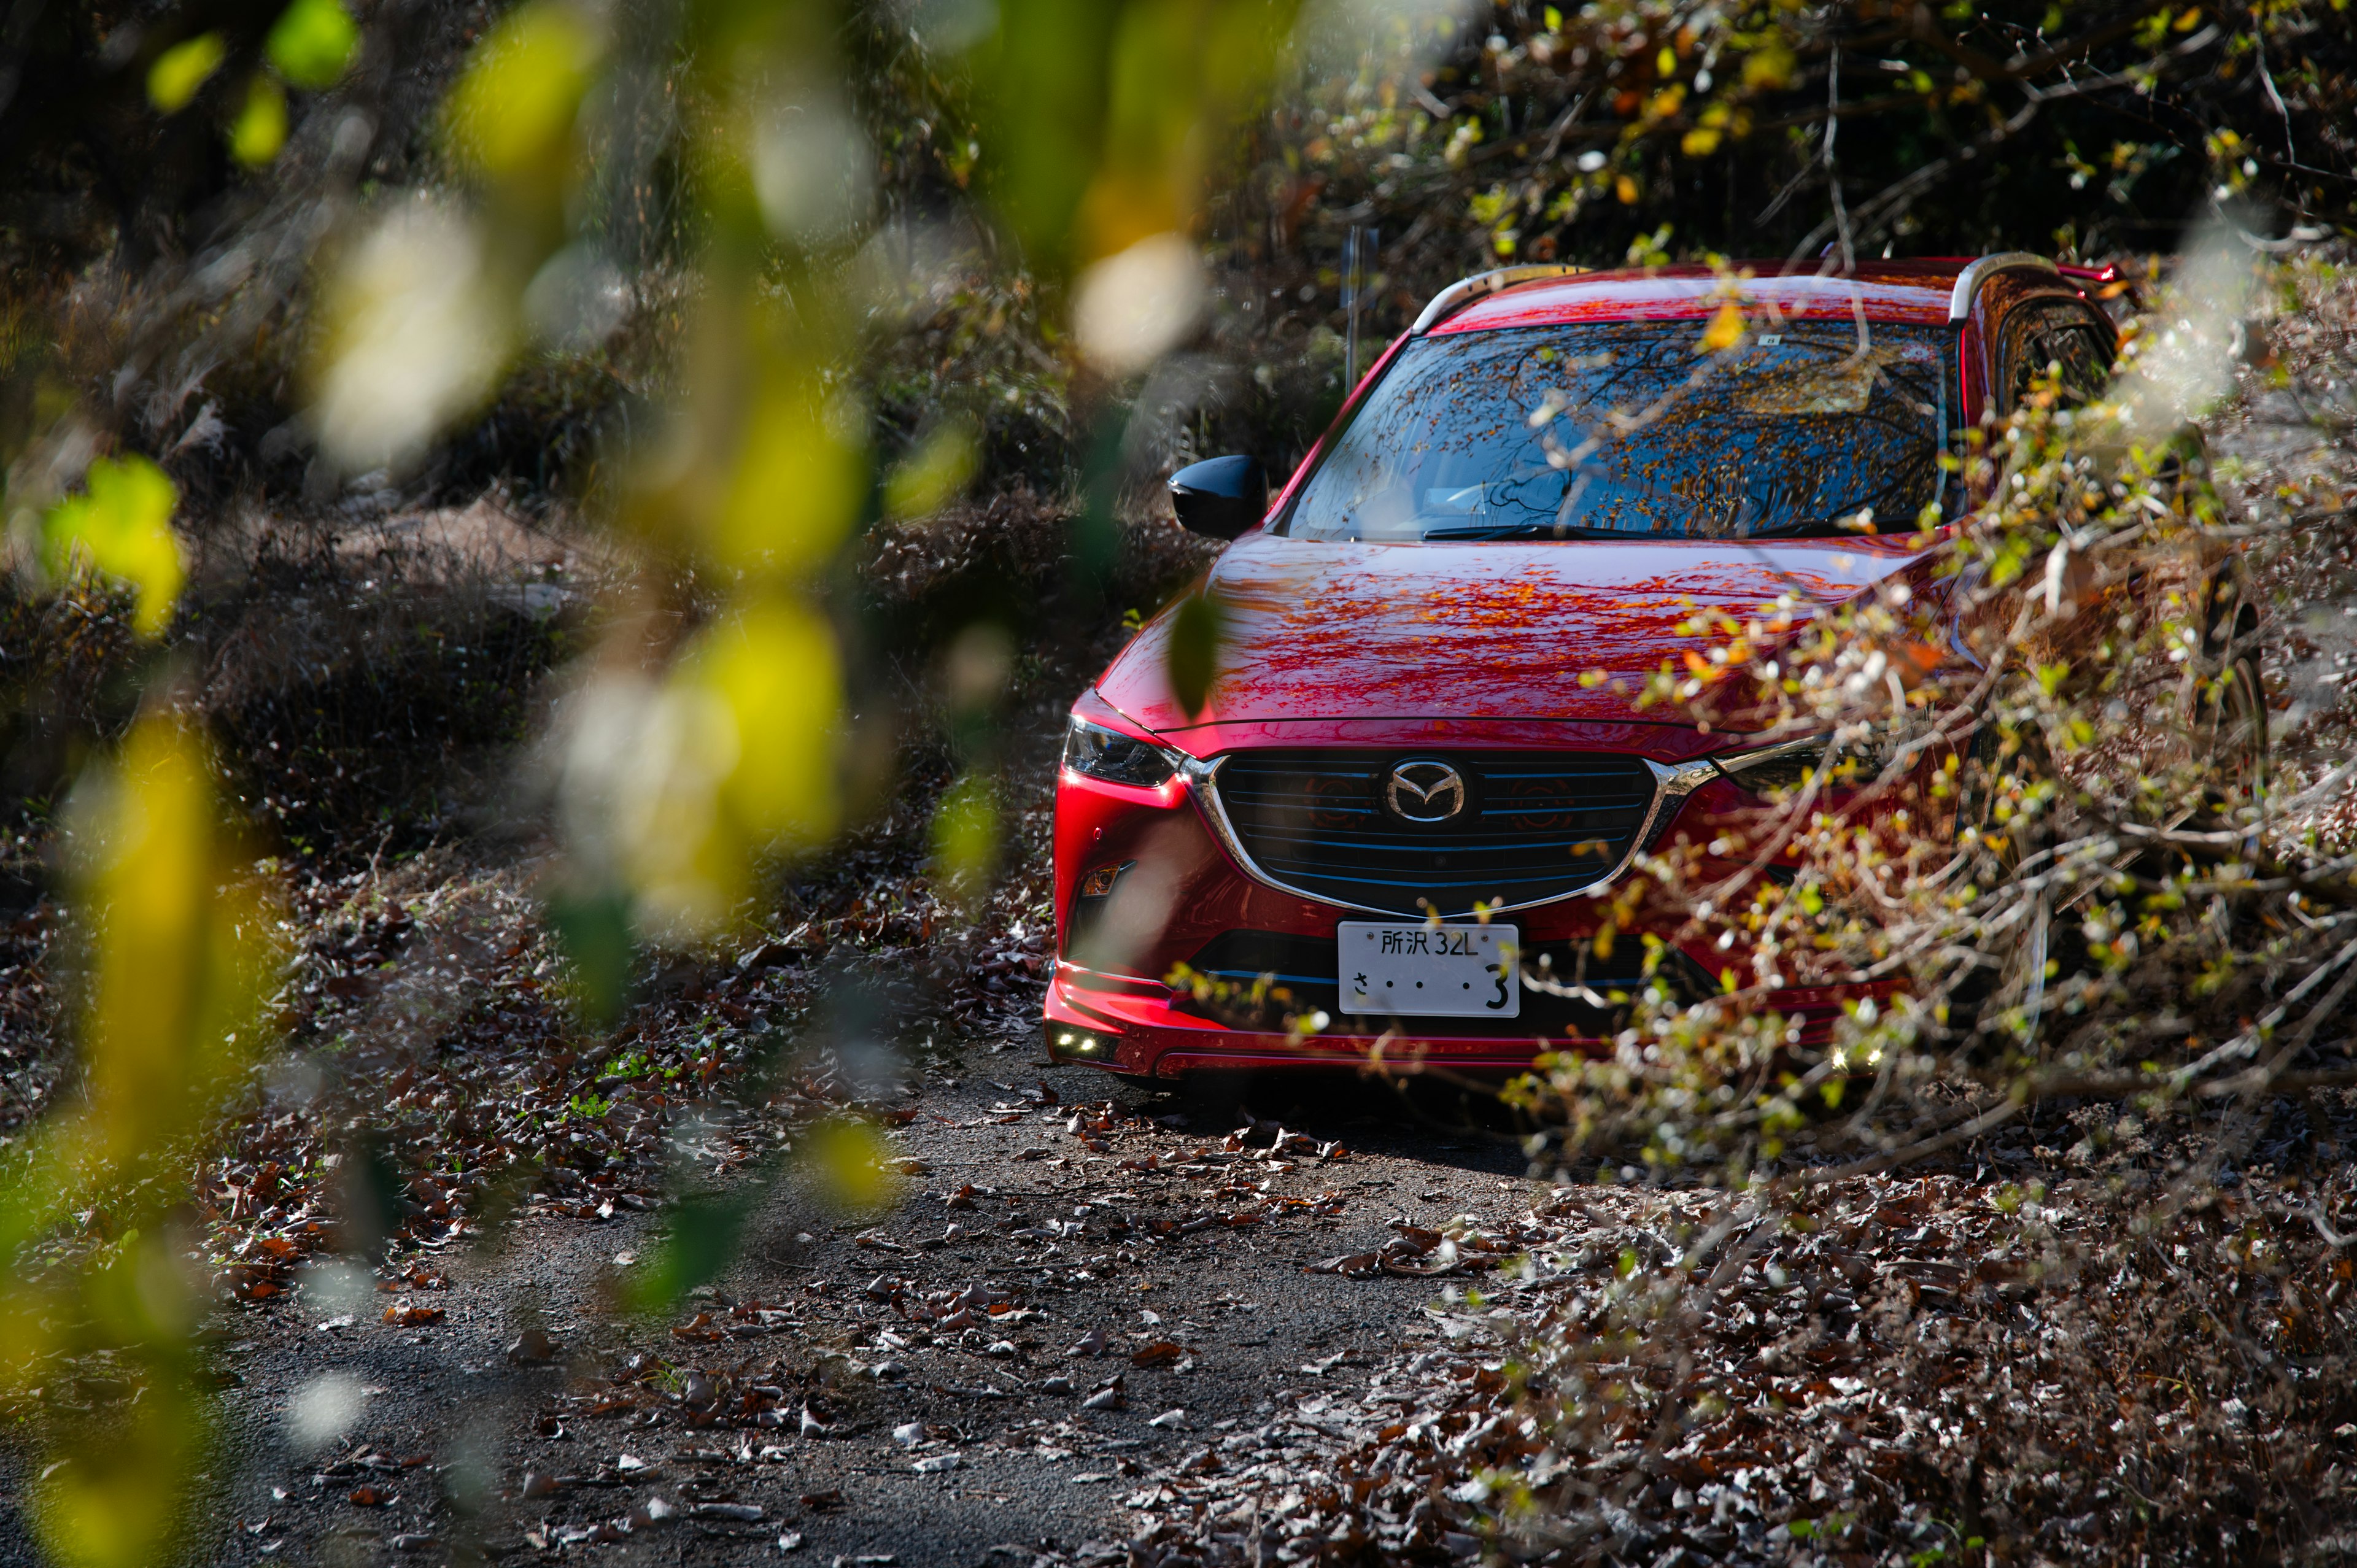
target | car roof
[{"x": 1896, "y": 291}]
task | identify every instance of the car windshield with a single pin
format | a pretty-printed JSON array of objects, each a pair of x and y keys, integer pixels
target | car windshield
[{"x": 1633, "y": 429}]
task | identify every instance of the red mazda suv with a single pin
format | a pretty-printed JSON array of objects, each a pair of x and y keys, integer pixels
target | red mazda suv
[{"x": 1407, "y": 800}]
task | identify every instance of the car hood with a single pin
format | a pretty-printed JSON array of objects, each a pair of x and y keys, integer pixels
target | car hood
[{"x": 1320, "y": 631}]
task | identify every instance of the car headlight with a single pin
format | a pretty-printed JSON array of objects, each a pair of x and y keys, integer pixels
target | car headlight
[
  {"x": 1107, "y": 754},
  {"x": 1790, "y": 763}
]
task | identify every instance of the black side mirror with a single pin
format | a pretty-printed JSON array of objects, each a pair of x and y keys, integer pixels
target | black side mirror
[{"x": 1219, "y": 496}]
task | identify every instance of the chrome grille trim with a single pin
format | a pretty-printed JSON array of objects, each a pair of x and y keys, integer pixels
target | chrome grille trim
[{"x": 1671, "y": 785}]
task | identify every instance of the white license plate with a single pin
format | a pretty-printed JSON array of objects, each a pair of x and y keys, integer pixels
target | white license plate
[{"x": 1442, "y": 972}]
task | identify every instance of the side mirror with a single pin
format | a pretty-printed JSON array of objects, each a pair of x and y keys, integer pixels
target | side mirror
[{"x": 1219, "y": 496}]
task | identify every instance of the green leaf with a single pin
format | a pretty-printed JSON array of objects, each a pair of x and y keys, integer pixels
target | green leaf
[
  {"x": 179, "y": 70},
  {"x": 594, "y": 932},
  {"x": 701, "y": 1242},
  {"x": 261, "y": 128},
  {"x": 1196, "y": 633},
  {"x": 312, "y": 43},
  {"x": 121, "y": 528}
]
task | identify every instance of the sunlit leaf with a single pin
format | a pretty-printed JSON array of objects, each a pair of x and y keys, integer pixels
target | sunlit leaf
[
  {"x": 778, "y": 674},
  {"x": 260, "y": 129},
  {"x": 180, "y": 950},
  {"x": 122, "y": 526},
  {"x": 412, "y": 335},
  {"x": 311, "y": 43},
  {"x": 512, "y": 111},
  {"x": 1725, "y": 331},
  {"x": 800, "y": 474},
  {"x": 851, "y": 1164},
  {"x": 1768, "y": 66},
  {"x": 179, "y": 70},
  {"x": 933, "y": 474},
  {"x": 1131, "y": 309}
]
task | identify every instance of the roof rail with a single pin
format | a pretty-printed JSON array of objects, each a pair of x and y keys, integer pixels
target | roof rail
[
  {"x": 1465, "y": 291},
  {"x": 1977, "y": 272}
]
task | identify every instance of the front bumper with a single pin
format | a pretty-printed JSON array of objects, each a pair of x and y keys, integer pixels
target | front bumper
[{"x": 1144, "y": 1028}]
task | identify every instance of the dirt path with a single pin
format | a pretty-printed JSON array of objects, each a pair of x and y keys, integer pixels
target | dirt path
[{"x": 1173, "y": 1254}]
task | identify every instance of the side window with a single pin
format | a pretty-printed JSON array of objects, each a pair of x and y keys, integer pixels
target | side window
[{"x": 2044, "y": 333}]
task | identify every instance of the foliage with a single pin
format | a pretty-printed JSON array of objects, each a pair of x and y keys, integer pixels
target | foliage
[{"x": 266, "y": 254}]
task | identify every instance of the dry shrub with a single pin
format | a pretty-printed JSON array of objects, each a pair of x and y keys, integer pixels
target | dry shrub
[{"x": 2062, "y": 896}]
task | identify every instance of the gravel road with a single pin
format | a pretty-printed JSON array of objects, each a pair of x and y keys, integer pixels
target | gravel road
[{"x": 1082, "y": 1289}]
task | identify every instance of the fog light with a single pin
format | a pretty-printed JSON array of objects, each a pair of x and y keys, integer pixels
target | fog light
[
  {"x": 1098, "y": 884},
  {"x": 1077, "y": 1043}
]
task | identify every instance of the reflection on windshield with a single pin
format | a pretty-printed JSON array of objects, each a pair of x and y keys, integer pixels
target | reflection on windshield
[{"x": 1622, "y": 429}]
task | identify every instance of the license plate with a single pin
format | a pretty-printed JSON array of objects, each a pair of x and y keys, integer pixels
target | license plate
[{"x": 1437, "y": 972}]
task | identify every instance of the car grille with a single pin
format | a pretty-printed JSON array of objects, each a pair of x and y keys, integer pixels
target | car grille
[{"x": 1534, "y": 826}]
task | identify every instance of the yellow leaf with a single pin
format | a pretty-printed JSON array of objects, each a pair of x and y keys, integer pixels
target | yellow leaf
[
  {"x": 179, "y": 70},
  {"x": 1769, "y": 67},
  {"x": 778, "y": 676},
  {"x": 261, "y": 128},
  {"x": 1725, "y": 331},
  {"x": 117, "y": 1503},
  {"x": 800, "y": 474},
  {"x": 122, "y": 528},
  {"x": 512, "y": 111},
  {"x": 1625, "y": 187},
  {"x": 852, "y": 1163},
  {"x": 1699, "y": 143}
]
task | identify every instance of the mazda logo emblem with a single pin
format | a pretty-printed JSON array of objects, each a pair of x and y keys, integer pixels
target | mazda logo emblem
[{"x": 1425, "y": 791}]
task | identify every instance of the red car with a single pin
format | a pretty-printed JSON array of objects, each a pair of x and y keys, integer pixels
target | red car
[{"x": 1399, "y": 811}]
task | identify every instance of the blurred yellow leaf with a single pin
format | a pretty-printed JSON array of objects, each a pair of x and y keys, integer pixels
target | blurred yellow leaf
[
  {"x": 179, "y": 70},
  {"x": 179, "y": 953},
  {"x": 800, "y": 474},
  {"x": 116, "y": 1501},
  {"x": 966, "y": 841},
  {"x": 851, "y": 1162},
  {"x": 178, "y": 961},
  {"x": 122, "y": 526},
  {"x": 933, "y": 474},
  {"x": 312, "y": 43},
  {"x": 261, "y": 127},
  {"x": 777, "y": 673},
  {"x": 1725, "y": 331},
  {"x": 677, "y": 791},
  {"x": 1700, "y": 142},
  {"x": 512, "y": 111},
  {"x": 1769, "y": 67},
  {"x": 1625, "y": 187}
]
